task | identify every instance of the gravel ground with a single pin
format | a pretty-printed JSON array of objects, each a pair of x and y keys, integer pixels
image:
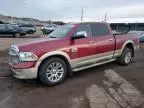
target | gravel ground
[{"x": 6, "y": 41}]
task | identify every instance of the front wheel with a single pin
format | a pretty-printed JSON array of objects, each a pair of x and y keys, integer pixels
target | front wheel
[
  {"x": 53, "y": 71},
  {"x": 126, "y": 57}
]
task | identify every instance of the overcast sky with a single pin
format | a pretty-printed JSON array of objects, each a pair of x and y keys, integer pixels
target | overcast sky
[{"x": 70, "y": 10}]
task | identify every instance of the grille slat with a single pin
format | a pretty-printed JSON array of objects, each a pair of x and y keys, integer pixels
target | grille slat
[{"x": 14, "y": 58}]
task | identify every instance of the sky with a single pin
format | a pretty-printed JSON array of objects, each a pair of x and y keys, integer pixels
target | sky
[{"x": 70, "y": 10}]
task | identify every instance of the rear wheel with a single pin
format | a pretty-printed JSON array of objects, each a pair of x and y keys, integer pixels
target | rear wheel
[
  {"x": 17, "y": 35},
  {"x": 126, "y": 57},
  {"x": 53, "y": 71},
  {"x": 31, "y": 32},
  {"x": 22, "y": 34}
]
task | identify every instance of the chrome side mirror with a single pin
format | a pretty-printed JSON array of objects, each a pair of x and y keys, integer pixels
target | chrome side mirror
[{"x": 79, "y": 35}]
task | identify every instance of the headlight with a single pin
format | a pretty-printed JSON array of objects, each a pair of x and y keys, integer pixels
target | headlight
[{"x": 27, "y": 56}]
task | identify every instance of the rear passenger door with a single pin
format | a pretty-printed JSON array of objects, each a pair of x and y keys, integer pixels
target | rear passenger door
[
  {"x": 10, "y": 29},
  {"x": 105, "y": 42},
  {"x": 2, "y": 29}
]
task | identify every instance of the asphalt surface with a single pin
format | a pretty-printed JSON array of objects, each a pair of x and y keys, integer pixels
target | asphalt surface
[{"x": 92, "y": 88}]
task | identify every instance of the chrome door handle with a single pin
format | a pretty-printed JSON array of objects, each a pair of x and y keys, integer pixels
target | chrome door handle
[
  {"x": 90, "y": 42},
  {"x": 110, "y": 39}
]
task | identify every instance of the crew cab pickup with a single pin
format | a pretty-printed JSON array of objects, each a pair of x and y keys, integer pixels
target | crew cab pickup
[{"x": 70, "y": 48}]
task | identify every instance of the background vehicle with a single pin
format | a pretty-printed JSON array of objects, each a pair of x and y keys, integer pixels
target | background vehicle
[
  {"x": 47, "y": 29},
  {"x": 14, "y": 24},
  {"x": 140, "y": 34},
  {"x": 28, "y": 28},
  {"x": 68, "y": 49},
  {"x": 8, "y": 29}
]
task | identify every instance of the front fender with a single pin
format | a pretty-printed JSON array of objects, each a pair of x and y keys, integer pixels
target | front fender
[{"x": 53, "y": 53}]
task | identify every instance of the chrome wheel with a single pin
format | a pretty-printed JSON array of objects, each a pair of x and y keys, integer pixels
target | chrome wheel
[
  {"x": 55, "y": 71},
  {"x": 17, "y": 35},
  {"x": 128, "y": 57}
]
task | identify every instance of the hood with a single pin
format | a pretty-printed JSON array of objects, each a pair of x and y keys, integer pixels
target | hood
[
  {"x": 36, "y": 45},
  {"x": 34, "y": 41}
]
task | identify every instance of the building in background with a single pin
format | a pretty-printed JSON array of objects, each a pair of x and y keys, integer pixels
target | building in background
[{"x": 124, "y": 27}]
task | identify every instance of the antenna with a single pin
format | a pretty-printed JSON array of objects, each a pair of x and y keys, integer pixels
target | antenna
[
  {"x": 82, "y": 15},
  {"x": 105, "y": 17}
]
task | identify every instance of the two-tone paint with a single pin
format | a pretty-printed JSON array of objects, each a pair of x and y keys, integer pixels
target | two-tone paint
[{"x": 75, "y": 52}]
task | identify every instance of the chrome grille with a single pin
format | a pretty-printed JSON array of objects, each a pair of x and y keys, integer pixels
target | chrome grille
[
  {"x": 13, "y": 55},
  {"x": 12, "y": 52}
]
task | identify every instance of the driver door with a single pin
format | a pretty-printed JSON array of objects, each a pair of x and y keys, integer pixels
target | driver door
[{"x": 82, "y": 49}]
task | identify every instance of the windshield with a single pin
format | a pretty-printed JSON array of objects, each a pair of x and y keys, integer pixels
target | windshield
[{"x": 61, "y": 31}]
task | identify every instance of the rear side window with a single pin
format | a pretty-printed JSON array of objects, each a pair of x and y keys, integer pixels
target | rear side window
[
  {"x": 48, "y": 26},
  {"x": 84, "y": 27},
  {"x": 26, "y": 25},
  {"x": 10, "y": 27},
  {"x": 2, "y": 26},
  {"x": 99, "y": 29}
]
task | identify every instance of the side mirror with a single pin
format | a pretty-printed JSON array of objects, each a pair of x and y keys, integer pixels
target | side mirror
[{"x": 79, "y": 35}]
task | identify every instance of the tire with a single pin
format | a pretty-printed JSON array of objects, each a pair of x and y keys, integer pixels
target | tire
[
  {"x": 17, "y": 35},
  {"x": 126, "y": 57},
  {"x": 22, "y": 34},
  {"x": 51, "y": 77},
  {"x": 31, "y": 32}
]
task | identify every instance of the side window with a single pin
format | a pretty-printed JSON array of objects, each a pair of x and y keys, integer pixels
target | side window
[
  {"x": 84, "y": 28},
  {"x": 99, "y": 29},
  {"x": 22, "y": 26},
  {"x": 2, "y": 26},
  {"x": 10, "y": 27}
]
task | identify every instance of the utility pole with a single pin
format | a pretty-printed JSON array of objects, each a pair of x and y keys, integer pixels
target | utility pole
[
  {"x": 105, "y": 17},
  {"x": 136, "y": 25},
  {"x": 82, "y": 15}
]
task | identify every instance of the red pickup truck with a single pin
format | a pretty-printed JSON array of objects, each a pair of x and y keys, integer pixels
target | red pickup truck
[{"x": 68, "y": 49}]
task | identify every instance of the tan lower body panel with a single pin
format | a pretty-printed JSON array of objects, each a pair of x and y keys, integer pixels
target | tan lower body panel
[
  {"x": 91, "y": 59},
  {"x": 25, "y": 73},
  {"x": 92, "y": 65}
]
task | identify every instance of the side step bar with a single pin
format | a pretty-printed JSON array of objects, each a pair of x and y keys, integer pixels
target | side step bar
[{"x": 92, "y": 65}]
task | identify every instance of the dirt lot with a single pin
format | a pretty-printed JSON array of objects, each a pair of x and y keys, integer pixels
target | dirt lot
[
  {"x": 6, "y": 41},
  {"x": 106, "y": 86}
]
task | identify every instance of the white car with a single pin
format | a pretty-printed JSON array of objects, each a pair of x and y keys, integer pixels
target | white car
[{"x": 46, "y": 29}]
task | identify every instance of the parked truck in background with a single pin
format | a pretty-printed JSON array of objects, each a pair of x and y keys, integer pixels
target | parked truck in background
[{"x": 70, "y": 48}]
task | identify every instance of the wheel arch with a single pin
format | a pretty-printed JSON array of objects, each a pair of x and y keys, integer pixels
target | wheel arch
[
  {"x": 129, "y": 44},
  {"x": 59, "y": 54}
]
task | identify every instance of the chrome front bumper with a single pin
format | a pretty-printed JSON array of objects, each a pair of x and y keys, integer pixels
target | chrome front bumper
[{"x": 30, "y": 73}]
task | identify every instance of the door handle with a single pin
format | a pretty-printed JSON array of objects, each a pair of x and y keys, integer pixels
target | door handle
[
  {"x": 90, "y": 42},
  {"x": 110, "y": 39}
]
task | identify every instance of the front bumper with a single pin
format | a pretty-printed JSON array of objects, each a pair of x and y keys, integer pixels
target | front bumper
[{"x": 29, "y": 73}]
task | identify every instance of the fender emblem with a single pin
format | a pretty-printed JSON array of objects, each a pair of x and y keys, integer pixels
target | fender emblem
[{"x": 74, "y": 49}]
